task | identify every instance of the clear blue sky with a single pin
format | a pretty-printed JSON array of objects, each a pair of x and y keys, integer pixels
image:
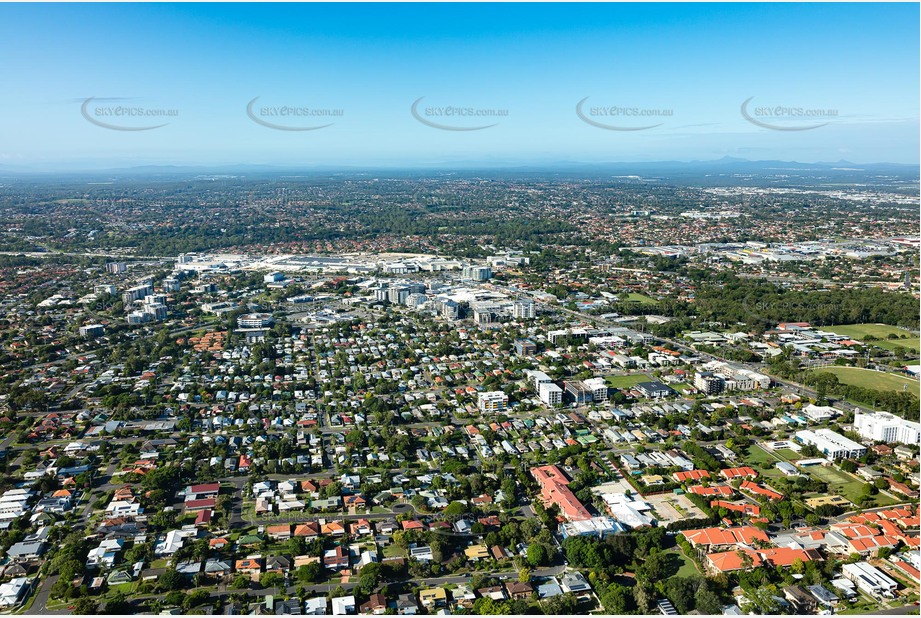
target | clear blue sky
[{"x": 537, "y": 61}]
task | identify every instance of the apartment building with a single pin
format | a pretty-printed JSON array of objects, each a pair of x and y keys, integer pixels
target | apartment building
[
  {"x": 831, "y": 444},
  {"x": 492, "y": 401},
  {"x": 886, "y": 427}
]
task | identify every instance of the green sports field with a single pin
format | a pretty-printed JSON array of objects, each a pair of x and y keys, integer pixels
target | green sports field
[
  {"x": 627, "y": 381},
  {"x": 880, "y": 331},
  {"x": 634, "y": 297},
  {"x": 843, "y": 484},
  {"x": 876, "y": 380},
  {"x": 890, "y": 344}
]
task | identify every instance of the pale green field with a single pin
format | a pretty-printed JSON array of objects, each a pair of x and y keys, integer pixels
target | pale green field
[
  {"x": 634, "y": 297},
  {"x": 876, "y": 380},
  {"x": 880, "y": 331},
  {"x": 626, "y": 381}
]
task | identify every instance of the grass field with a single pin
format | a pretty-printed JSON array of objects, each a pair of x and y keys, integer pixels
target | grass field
[
  {"x": 687, "y": 568},
  {"x": 880, "y": 331},
  {"x": 788, "y": 454},
  {"x": 876, "y": 380},
  {"x": 762, "y": 461},
  {"x": 846, "y": 485},
  {"x": 890, "y": 344},
  {"x": 838, "y": 482},
  {"x": 633, "y": 297},
  {"x": 627, "y": 381},
  {"x": 757, "y": 456}
]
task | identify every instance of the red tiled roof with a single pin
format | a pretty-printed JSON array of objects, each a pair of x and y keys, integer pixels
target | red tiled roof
[
  {"x": 755, "y": 488},
  {"x": 748, "y": 509},
  {"x": 725, "y": 536},
  {"x": 205, "y": 488},
  {"x": 733, "y": 473},
  {"x": 713, "y": 490},
  {"x": 733, "y": 560},
  {"x": 691, "y": 475},
  {"x": 554, "y": 490}
]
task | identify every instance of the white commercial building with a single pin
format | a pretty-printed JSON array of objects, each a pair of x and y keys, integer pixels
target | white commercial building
[
  {"x": 136, "y": 293},
  {"x": 886, "y": 427},
  {"x": 628, "y": 510},
  {"x": 255, "y": 320},
  {"x": 492, "y": 401},
  {"x": 832, "y": 445},
  {"x": 819, "y": 414},
  {"x": 596, "y": 526},
  {"x": 523, "y": 310},
  {"x": 599, "y": 388},
  {"x": 477, "y": 273},
  {"x": 91, "y": 330},
  {"x": 550, "y": 393},
  {"x": 537, "y": 378}
]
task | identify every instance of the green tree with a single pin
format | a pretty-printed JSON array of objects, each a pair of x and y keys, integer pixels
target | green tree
[
  {"x": 170, "y": 580},
  {"x": 617, "y": 599},
  {"x": 538, "y": 555},
  {"x": 309, "y": 573},
  {"x": 84, "y": 606}
]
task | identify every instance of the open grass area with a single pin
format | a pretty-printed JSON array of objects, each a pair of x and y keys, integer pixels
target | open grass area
[
  {"x": 762, "y": 461},
  {"x": 634, "y": 297},
  {"x": 392, "y": 551},
  {"x": 788, "y": 454},
  {"x": 913, "y": 343},
  {"x": 858, "y": 331},
  {"x": 880, "y": 331},
  {"x": 844, "y": 484},
  {"x": 687, "y": 567},
  {"x": 876, "y": 380},
  {"x": 756, "y": 456},
  {"x": 627, "y": 381},
  {"x": 833, "y": 476}
]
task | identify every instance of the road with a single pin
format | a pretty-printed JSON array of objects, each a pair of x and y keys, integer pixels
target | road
[
  {"x": 681, "y": 346},
  {"x": 327, "y": 588},
  {"x": 41, "y": 597}
]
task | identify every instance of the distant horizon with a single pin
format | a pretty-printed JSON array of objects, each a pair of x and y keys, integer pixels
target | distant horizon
[
  {"x": 403, "y": 85},
  {"x": 466, "y": 166}
]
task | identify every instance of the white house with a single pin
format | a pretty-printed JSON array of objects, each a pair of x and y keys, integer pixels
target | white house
[{"x": 344, "y": 605}]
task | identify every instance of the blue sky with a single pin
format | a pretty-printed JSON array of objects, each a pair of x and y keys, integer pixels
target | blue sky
[{"x": 693, "y": 64}]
